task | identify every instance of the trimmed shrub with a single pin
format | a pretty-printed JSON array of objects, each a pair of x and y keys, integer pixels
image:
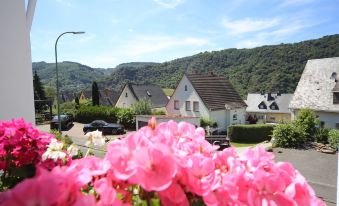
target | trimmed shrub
[
  {"x": 87, "y": 114},
  {"x": 159, "y": 112},
  {"x": 321, "y": 135},
  {"x": 126, "y": 117},
  {"x": 289, "y": 136},
  {"x": 306, "y": 118},
  {"x": 250, "y": 133},
  {"x": 333, "y": 138}
]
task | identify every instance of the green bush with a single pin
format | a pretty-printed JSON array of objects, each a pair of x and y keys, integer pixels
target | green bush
[
  {"x": 250, "y": 133},
  {"x": 321, "y": 135},
  {"x": 289, "y": 136},
  {"x": 333, "y": 138},
  {"x": 306, "y": 118},
  {"x": 159, "y": 112},
  {"x": 204, "y": 122},
  {"x": 126, "y": 117},
  {"x": 87, "y": 114},
  {"x": 142, "y": 107}
]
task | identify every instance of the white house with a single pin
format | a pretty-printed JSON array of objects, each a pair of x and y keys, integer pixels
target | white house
[
  {"x": 208, "y": 96},
  {"x": 270, "y": 107},
  {"x": 132, "y": 93},
  {"x": 16, "y": 81},
  {"x": 318, "y": 89}
]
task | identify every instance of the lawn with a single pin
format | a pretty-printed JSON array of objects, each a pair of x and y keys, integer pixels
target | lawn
[{"x": 237, "y": 144}]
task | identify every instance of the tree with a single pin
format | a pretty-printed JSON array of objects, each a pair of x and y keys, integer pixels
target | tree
[
  {"x": 77, "y": 102},
  {"x": 50, "y": 92},
  {"x": 39, "y": 93},
  {"x": 95, "y": 94}
]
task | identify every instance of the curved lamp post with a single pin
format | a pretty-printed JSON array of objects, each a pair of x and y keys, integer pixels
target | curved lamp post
[{"x": 57, "y": 74}]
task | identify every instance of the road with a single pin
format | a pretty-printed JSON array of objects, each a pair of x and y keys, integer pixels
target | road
[{"x": 319, "y": 169}]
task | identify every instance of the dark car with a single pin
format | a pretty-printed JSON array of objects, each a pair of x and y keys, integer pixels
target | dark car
[
  {"x": 66, "y": 122},
  {"x": 104, "y": 127}
]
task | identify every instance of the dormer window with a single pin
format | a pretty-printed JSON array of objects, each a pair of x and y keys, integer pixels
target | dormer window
[
  {"x": 148, "y": 93},
  {"x": 274, "y": 106},
  {"x": 334, "y": 76},
  {"x": 262, "y": 105}
]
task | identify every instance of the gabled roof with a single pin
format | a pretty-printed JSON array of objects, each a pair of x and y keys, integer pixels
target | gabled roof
[
  {"x": 108, "y": 97},
  {"x": 315, "y": 88},
  {"x": 216, "y": 92},
  {"x": 151, "y": 92},
  {"x": 282, "y": 101}
]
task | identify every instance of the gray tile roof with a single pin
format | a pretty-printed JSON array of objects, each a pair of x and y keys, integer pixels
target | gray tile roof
[
  {"x": 108, "y": 97},
  {"x": 315, "y": 87},
  {"x": 215, "y": 91},
  {"x": 151, "y": 92},
  {"x": 282, "y": 101}
]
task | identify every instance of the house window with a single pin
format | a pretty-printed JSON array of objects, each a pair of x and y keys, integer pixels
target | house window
[
  {"x": 176, "y": 104},
  {"x": 337, "y": 125},
  {"x": 188, "y": 105},
  {"x": 126, "y": 95},
  {"x": 196, "y": 106},
  {"x": 335, "y": 97},
  {"x": 235, "y": 116},
  {"x": 185, "y": 87},
  {"x": 322, "y": 124}
]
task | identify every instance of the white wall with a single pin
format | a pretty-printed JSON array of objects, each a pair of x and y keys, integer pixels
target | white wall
[
  {"x": 125, "y": 102},
  {"x": 16, "y": 81},
  {"x": 329, "y": 118},
  {"x": 220, "y": 117},
  {"x": 241, "y": 116},
  {"x": 189, "y": 95}
]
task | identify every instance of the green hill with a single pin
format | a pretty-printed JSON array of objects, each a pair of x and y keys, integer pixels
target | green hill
[
  {"x": 261, "y": 69},
  {"x": 266, "y": 68}
]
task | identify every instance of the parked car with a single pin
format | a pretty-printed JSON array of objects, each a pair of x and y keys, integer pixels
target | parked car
[
  {"x": 66, "y": 122},
  {"x": 106, "y": 128}
]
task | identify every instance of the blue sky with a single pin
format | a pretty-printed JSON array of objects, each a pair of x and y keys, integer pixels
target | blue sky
[{"x": 119, "y": 31}]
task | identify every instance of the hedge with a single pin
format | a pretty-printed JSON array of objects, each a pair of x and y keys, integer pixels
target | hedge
[
  {"x": 250, "y": 133},
  {"x": 87, "y": 114},
  {"x": 124, "y": 116}
]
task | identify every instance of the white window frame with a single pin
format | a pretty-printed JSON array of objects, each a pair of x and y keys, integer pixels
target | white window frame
[
  {"x": 195, "y": 106},
  {"x": 176, "y": 104},
  {"x": 188, "y": 105}
]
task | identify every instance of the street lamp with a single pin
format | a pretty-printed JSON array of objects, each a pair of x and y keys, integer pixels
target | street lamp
[{"x": 57, "y": 74}]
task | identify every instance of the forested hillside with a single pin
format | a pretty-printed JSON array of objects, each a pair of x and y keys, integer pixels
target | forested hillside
[{"x": 266, "y": 68}]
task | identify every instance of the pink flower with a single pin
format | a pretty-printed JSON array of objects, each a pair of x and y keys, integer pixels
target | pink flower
[
  {"x": 156, "y": 167},
  {"x": 173, "y": 195}
]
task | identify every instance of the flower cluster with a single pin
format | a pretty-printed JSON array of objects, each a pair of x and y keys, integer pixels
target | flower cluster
[
  {"x": 21, "y": 144},
  {"x": 172, "y": 162}
]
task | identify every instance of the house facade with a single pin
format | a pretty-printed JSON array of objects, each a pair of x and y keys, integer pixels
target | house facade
[
  {"x": 17, "y": 99},
  {"x": 132, "y": 93},
  {"x": 269, "y": 108},
  {"x": 318, "y": 90},
  {"x": 207, "y": 96}
]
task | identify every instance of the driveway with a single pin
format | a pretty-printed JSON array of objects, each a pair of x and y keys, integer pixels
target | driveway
[
  {"x": 319, "y": 169},
  {"x": 78, "y": 138}
]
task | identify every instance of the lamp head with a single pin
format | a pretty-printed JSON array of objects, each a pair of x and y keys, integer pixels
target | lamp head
[{"x": 78, "y": 32}]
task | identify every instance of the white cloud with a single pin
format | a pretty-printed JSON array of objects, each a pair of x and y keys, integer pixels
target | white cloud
[
  {"x": 169, "y": 3},
  {"x": 151, "y": 44},
  {"x": 275, "y": 36},
  {"x": 249, "y": 25}
]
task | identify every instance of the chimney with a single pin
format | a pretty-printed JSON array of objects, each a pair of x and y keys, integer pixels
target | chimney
[{"x": 269, "y": 97}]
